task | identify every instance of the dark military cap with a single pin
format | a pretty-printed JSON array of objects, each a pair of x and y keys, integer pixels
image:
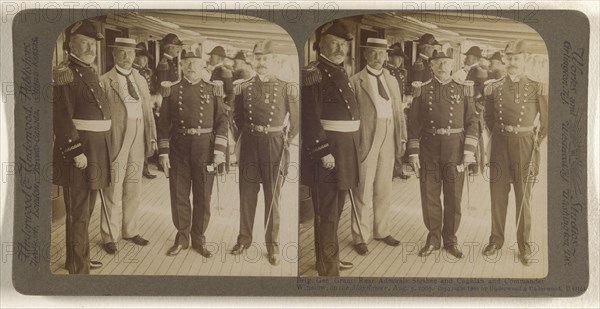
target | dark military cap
[
  {"x": 439, "y": 55},
  {"x": 497, "y": 56},
  {"x": 171, "y": 38},
  {"x": 396, "y": 50},
  {"x": 339, "y": 29},
  {"x": 240, "y": 56},
  {"x": 218, "y": 50},
  {"x": 475, "y": 51},
  {"x": 84, "y": 27},
  {"x": 263, "y": 48},
  {"x": 428, "y": 38}
]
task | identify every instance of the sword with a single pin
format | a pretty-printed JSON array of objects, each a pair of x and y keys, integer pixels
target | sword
[
  {"x": 355, "y": 212},
  {"x": 274, "y": 189},
  {"x": 105, "y": 212},
  {"x": 528, "y": 188}
]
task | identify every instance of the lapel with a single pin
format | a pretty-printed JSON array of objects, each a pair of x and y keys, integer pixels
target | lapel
[
  {"x": 366, "y": 85},
  {"x": 390, "y": 80},
  {"x": 113, "y": 76}
]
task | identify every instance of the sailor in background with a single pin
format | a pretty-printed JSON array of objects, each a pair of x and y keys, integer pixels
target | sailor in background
[
  {"x": 330, "y": 140},
  {"x": 395, "y": 65},
  {"x": 497, "y": 68},
  {"x": 82, "y": 124},
  {"x": 167, "y": 68},
  {"x": 421, "y": 70},
  {"x": 516, "y": 112},
  {"x": 442, "y": 134},
  {"x": 192, "y": 132},
  {"x": 140, "y": 63},
  {"x": 266, "y": 113}
]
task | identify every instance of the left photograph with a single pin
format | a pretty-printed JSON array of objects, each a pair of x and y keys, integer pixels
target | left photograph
[{"x": 175, "y": 146}]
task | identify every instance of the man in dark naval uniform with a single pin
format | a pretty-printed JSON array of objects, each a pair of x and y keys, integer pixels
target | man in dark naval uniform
[
  {"x": 192, "y": 133},
  {"x": 516, "y": 112},
  {"x": 330, "y": 140},
  {"x": 421, "y": 70},
  {"x": 442, "y": 134},
  {"x": 167, "y": 68},
  {"x": 82, "y": 122},
  {"x": 395, "y": 65},
  {"x": 266, "y": 112}
]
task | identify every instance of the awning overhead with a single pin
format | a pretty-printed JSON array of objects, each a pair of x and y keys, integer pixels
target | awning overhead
[
  {"x": 448, "y": 26},
  {"x": 241, "y": 32}
]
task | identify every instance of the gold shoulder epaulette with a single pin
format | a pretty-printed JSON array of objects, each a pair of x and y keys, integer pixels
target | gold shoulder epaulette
[
  {"x": 468, "y": 86},
  {"x": 237, "y": 85},
  {"x": 62, "y": 74},
  {"x": 311, "y": 74},
  {"x": 217, "y": 88},
  {"x": 416, "y": 88},
  {"x": 163, "y": 65}
]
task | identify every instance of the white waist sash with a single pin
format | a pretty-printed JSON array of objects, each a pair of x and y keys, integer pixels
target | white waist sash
[
  {"x": 92, "y": 125},
  {"x": 340, "y": 125}
]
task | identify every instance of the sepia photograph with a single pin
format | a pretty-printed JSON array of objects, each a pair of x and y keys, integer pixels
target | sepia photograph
[
  {"x": 424, "y": 148},
  {"x": 175, "y": 146}
]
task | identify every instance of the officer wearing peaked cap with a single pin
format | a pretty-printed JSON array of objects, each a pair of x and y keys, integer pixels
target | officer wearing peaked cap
[
  {"x": 192, "y": 133},
  {"x": 512, "y": 104},
  {"x": 330, "y": 140},
  {"x": 442, "y": 134},
  {"x": 82, "y": 124},
  {"x": 421, "y": 69},
  {"x": 266, "y": 113},
  {"x": 167, "y": 68}
]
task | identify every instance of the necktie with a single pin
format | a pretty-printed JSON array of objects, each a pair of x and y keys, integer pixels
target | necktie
[
  {"x": 380, "y": 87},
  {"x": 130, "y": 87}
]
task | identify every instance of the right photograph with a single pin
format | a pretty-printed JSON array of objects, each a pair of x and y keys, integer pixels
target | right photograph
[{"x": 423, "y": 148}]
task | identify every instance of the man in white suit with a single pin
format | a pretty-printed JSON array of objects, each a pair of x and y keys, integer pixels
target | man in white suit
[
  {"x": 133, "y": 137},
  {"x": 383, "y": 140}
]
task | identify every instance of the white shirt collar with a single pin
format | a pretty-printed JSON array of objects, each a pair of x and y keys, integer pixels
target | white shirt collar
[
  {"x": 330, "y": 60},
  {"x": 263, "y": 78},
  {"x": 123, "y": 71},
  {"x": 376, "y": 72},
  {"x": 423, "y": 56},
  {"x": 168, "y": 56},
  {"x": 192, "y": 83},
  {"x": 514, "y": 78},
  {"x": 73, "y": 55}
]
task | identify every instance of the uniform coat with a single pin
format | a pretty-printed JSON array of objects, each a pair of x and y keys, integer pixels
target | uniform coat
[{"x": 328, "y": 95}]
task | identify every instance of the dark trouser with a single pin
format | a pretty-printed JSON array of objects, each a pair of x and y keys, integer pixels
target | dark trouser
[
  {"x": 189, "y": 155},
  {"x": 510, "y": 163},
  {"x": 439, "y": 157},
  {"x": 79, "y": 204},
  {"x": 260, "y": 158},
  {"x": 328, "y": 203}
]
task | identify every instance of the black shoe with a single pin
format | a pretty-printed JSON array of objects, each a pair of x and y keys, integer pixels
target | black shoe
[
  {"x": 173, "y": 251},
  {"x": 427, "y": 250},
  {"x": 202, "y": 250},
  {"x": 149, "y": 175},
  {"x": 138, "y": 240},
  {"x": 110, "y": 247},
  {"x": 390, "y": 241},
  {"x": 238, "y": 249},
  {"x": 361, "y": 248},
  {"x": 345, "y": 265},
  {"x": 490, "y": 249},
  {"x": 95, "y": 264},
  {"x": 273, "y": 258},
  {"x": 453, "y": 249}
]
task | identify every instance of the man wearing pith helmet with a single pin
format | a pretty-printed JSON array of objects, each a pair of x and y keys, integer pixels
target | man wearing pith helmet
[
  {"x": 82, "y": 154},
  {"x": 266, "y": 113},
  {"x": 516, "y": 112},
  {"x": 383, "y": 141},
  {"x": 192, "y": 136},
  {"x": 330, "y": 140},
  {"x": 442, "y": 132}
]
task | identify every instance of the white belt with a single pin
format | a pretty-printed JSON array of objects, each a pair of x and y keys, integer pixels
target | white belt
[
  {"x": 92, "y": 125},
  {"x": 340, "y": 125}
]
